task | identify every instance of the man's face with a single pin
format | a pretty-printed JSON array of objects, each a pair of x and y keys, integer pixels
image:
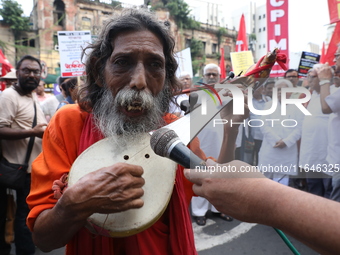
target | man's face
[
  {"x": 29, "y": 75},
  {"x": 135, "y": 91},
  {"x": 137, "y": 62},
  {"x": 293, "y": 77},
  {"x": 268, "y": 91},
  {"x": 313, "y": 80},
  {"x": 41, "y": 88},
  {"x": 185, "y": 81},
  {"x": 211, "y": 76},
  {"x": 336, "y": 77}
]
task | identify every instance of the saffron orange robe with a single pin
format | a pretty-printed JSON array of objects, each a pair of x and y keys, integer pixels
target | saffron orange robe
[{"x": 68, "y": 134}]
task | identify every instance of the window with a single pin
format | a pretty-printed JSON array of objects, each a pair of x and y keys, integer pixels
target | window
[
  {"x": 85, "y": 23},
  {"x": 264, "y": 29},
  {"x": 214, "y": 48},
  {"x": 32, "y": 43},
  {"x": 260, "y": 46},
  {"x": 260, "y": 17},
  {"x": 259, "y": 29},
  {"x": 187, "y": 43},
  {"x": 264, "y": 15},
  {"x": 58, "y": 12},
  {"x": 227, "y": 50}
]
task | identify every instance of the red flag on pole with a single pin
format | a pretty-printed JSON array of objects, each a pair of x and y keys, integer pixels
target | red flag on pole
[
  {"x": 6, "y": 65},
  {"x": 333, "y": 45},
  {"x": 334, "y": 11},
  {"x": 241, "y": 42},
  {"x": 323, "y": 54},
  {"x": 222, "y": 65}
]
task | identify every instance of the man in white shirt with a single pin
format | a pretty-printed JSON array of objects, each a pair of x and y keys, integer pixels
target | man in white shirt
[
  {"x": 314, "y": 142},
  {"x": 330, "y": 103},
  {"x": 210, "y": 143}
]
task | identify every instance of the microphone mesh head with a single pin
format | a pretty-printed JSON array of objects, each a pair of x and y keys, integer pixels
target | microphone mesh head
[{"x": 161, "y": 140}]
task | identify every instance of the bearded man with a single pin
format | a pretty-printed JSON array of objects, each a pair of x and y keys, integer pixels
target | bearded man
[
  {"x": 129, "y": 85},
  {"x": 17, "y": 109}
]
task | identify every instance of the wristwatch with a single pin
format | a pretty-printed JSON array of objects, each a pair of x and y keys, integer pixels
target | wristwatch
[{"x": 323, "y": 82}]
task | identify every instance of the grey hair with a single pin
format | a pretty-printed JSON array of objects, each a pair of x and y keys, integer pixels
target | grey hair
[{"x": 211, "y": 65}]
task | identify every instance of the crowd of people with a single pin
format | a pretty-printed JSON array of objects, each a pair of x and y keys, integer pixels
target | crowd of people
[{"x": 130, "y": 89}]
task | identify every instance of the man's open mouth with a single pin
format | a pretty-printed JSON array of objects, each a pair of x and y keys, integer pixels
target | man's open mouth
[{"x": 134, "y": 108}]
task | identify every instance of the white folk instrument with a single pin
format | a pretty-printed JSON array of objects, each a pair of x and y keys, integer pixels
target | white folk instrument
[{"x": 159, "y": 174}]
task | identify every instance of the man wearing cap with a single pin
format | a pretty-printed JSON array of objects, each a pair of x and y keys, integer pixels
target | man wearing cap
[{"x": 10, "y": 78}]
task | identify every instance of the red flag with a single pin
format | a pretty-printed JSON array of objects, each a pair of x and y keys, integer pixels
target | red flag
[
  {"x": 334, "y": 10},
  {"x": 323, "y": 54},
  {"x": 222, "y": 65},
  {"x": 6, "y": 65},
  {"x": 241, "y": 42},
  {"x": 333, "y": 45}
]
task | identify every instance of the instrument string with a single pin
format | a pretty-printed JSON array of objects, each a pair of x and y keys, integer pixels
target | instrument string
[{"x": 107, "y": 216}]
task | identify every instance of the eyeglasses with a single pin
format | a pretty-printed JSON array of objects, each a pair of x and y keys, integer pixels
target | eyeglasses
[
  {"x": 291, "y": 77},
  {"x": 27, "y": 71},
  {"x": 211, "y": 74},
  {"x": 336, "y": 56}
]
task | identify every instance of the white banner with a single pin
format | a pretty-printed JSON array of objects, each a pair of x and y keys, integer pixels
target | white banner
[
  {"x": 184, "y": 62},
  {"x": 71, "y": 44}
]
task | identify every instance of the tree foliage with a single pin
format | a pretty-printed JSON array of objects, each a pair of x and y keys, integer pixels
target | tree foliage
[
  {"x": 180, "y": 11},
  {"x": 221, "y": 32},
  {"x": 12, "y": 15},
  {"x": 196, "y": 49}
]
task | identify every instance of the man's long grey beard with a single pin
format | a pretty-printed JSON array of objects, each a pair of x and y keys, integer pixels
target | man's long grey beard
[{"x": 112, "y": 122}]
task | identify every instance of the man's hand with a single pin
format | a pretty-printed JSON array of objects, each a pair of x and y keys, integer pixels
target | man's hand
[
  {"x": 280, "y": 144},
  {"x": 39, "y": 130},
  {"x": 324, "y": 72},
  {"x": 228, "y": 190},
  {"x": 110, "y": 189}
]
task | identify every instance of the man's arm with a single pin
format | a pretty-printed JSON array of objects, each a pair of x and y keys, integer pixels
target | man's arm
[
  {"x": 15, "y": 134},
  {"x": 250, "y": 197},
  {"x": 325, "y": 74},
  {"x": 122, "y": 191},
  {"x": 227, "y": 152}
]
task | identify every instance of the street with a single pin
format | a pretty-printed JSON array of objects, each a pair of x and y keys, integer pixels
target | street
[{"x": 220, "y": 237}]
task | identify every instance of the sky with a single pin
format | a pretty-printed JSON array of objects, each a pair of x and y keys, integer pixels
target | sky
[{"x": 307, "y": 19}]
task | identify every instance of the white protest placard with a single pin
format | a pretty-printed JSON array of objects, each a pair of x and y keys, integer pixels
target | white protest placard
[
  {"x": 183, "y": 59},
  {"x": 71, "y": 44}
]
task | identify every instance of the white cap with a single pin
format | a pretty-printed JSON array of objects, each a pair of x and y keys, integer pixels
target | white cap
[{"x": 9, "y": 76}]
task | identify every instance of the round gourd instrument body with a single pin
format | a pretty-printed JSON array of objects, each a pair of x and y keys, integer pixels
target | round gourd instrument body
[{"x": 159, "y": 175}]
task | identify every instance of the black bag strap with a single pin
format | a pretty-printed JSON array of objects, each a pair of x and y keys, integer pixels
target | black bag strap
[{"x": 31, "y": 141}]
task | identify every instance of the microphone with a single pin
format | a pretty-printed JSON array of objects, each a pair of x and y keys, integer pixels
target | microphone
[
  {"x": 230, "y": 75},
  {"x": 165, "y": 143}
]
